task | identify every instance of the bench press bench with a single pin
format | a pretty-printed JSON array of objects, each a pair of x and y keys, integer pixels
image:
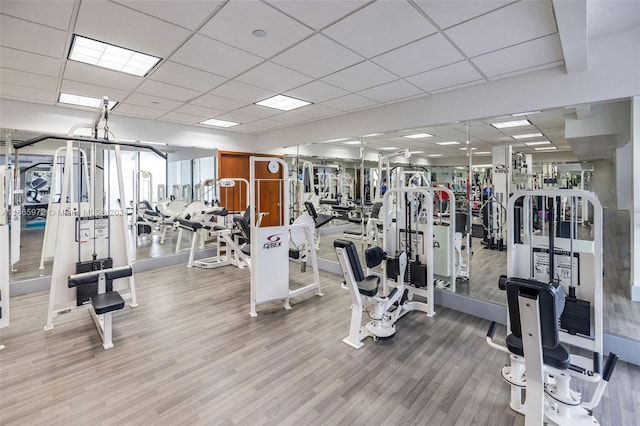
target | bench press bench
[{"x": 106, "y": 300}]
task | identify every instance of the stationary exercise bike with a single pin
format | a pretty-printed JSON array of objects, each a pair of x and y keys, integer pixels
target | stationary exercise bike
[{"x": 365, "y": 293}]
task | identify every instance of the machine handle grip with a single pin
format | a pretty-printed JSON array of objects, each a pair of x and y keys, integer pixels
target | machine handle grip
[
  {"x": 502, "y": 282},
  {"x": 610, "y": 365},
  {"x": 492, "y": 329}
]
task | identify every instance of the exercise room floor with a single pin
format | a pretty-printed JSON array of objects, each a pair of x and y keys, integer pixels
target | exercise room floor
[{"x": 191, "y": 354}]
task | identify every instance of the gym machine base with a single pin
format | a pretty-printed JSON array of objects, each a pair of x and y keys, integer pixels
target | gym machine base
[{"x": 543, "y": 314}]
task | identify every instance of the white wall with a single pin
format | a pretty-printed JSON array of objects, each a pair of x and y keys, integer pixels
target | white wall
[{"x": 624, "y": 176}]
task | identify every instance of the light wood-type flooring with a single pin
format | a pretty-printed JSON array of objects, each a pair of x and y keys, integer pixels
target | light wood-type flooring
[{"x": 190, "y": 354}]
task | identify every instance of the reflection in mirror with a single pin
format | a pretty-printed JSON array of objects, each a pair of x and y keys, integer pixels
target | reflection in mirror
[{"x": 544, "y": 150}]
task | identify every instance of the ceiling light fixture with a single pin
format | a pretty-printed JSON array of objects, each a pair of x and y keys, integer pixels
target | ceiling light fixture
[
  {"x": 520, "y": 114},
  {"x": 112, "y": 57},
  {"x": 389, "y": 148},
  {"x": 259, "y": 33},
  {"x": 418, "y": 136},
  {"x": 464, "y": 149},
  {"x": 219, "y": 123},
  {"x": 537, "y": 143},
  {"x": 527, "y": 135},
  {"x": 85, "y": 101},
  {"x": 482, "y": 153},
  {"x": 434, "y": 155},
  {"x": 515, "y": 123},
  {"x": 448, "y": 143},
  {"x": 351, "y": 142},
  {"x": 417, "y": 152},
  {"x": 372, "y": 135},
  {"x": 283, "y": 103},
  {"x": 546, "y": 148}
]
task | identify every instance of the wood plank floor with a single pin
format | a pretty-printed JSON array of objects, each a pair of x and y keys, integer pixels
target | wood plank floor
[{"x": 190, "y": 354}]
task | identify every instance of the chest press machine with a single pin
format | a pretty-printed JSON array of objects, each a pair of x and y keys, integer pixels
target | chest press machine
[
  {"x": 412, "y": 272},
  {"x": 554, "y": 296}
]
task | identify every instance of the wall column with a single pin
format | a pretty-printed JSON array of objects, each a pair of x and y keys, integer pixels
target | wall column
[{"x": 635, "y": 207}]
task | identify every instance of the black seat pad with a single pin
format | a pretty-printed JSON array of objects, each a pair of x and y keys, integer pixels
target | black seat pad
[
  {"x": 369, "y": 285},
  {"x": 107, "y": 302},
  {"x": 557, "y": 357},
  {"x": 194, "y": 226}
]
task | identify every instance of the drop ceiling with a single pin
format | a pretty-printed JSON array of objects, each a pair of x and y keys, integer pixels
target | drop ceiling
[{"x": 342, "y": 56}]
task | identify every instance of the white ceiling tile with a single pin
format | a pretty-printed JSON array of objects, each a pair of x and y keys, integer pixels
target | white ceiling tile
[
  {"x": 446, "y": 13},
  {"x": 317, "y": 57},
  {"x": 92, "y": 90},
  {"x": 423, "y": 55},
  {"x": 51, "y": 13},
  {"x": 242, "y": 92},
  {"x": 359, "y": 77},
  {"x": 138, "y": 111},
  {"x": 349, "y": 103},
  {"x": 317, "y": 111},
  {"x": 116, "y": 24},
  {"x": 237, "y": 117},
  {"x": 247, "y": 128},
  {"x": 274, "y": 77},
  {"x": 186, "y": 13},
  {"x": 155, "y": 102},
  {"x": 169, "y": 91},
  {"x": 317, "y": 13},
  {"x": 291, "y": 117},
  {"x": 27, "y": 79},
  {"x": 12, "y": 91},
  {"x": 316, "y": 91},
  {"x": 389, "y": 92},
  {"x": 25, "y": 61},
  {"x": 178, "y": 117},
  {"x": 537, "y": 52},
  {"x": 199, "y": 111},
  {"x": 217, "y": 102},
  {"x": 31, "y": 37},
  {"x": 449, "y": 76},
  {"x": 235, "y": 23},
  {"x": 77, "y": 71},
  {"x": 269, "y": 124},
  {"x": 184, "y": 76},
  {"x": 211, "y": 55},
  {"x": 257, "y": 111},
  {"x": 510, "y": 25},
  {"x": 379, "y": 27}
]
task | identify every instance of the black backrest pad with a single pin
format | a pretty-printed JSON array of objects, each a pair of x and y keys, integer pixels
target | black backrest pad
[
  {"x": 551, "y": 301},
  {"x": 352, "y": 255},
  {"x": 118, "y": 272},
  {"x": 243, "y": 225},
  {"x": 311, "y": 209},
  {"x": 375, "y": 209},
  {"x": 373, "y": 256}
]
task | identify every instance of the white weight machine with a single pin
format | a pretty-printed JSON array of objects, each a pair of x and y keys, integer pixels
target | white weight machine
[
  {"x": 554, "y": 299},
  {"x": 407, "y": 258}
]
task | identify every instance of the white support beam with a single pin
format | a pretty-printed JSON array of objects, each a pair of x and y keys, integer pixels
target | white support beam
[
  {"x": 571, "y": 18},
  {"x": 635, "y": 204}
]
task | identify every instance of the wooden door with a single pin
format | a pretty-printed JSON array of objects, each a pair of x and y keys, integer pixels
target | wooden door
[{"x": 233, "y": 165}]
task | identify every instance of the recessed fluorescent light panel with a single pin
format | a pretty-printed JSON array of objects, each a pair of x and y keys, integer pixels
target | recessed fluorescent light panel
[
  {"x": 85, "y": 101},
  {"x": 520, "y": 114},
  {"x": 528, "y": 135},
  {"x": 283, "y": 103},
  {"x": 389, "y": 148},
  {"x": 448, "y": 143},
  {"x": 434, "y": 155},
  {"x": 537, "y": 143},
  {"x": 464, "y": 149},
  {"x": 372, "y": 135},
  {"x": 351, "y": 142},
  {"x": 219, "y": 123},
  {"x": 417, "y": 152},
  {"x": 546, "y": 148},
  {"x": 482, "y": 153},
  {"x": 506, "y": 124},
  {"x": 112, "y": 57},
  {"x": 418, "y": 136}
]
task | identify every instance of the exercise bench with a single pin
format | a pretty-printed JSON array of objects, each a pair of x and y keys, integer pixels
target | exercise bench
[{"x": 105, "y": 300}]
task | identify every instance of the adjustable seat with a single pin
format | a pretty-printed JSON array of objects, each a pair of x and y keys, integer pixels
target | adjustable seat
[
  {"x": 319, "y": 219},
  {"x": 367, "y": 285}
]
